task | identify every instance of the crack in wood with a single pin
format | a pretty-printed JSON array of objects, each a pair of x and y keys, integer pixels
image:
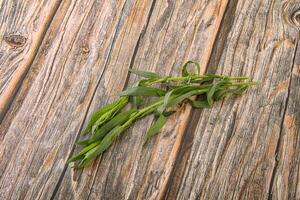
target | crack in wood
[
  {"x": 87, "y": 110},
  {"x": 280, "y": 138}
]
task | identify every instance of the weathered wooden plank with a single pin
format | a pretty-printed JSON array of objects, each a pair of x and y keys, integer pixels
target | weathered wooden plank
[
  {"x": 285, "y": 182},
  {"x": 22, "y": 27},
  {"x": 53, "y": 102},
  {"x": 233, "y": 155},
  {"x": 177, "y": 31}
]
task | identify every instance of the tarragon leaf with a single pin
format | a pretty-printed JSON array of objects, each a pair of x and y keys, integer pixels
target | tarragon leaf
[
  {"x": 80, "y": 155},
  {"x": 143, "y": 91},
  {"x": 214, "y": 88},
  {"x": 102, "y": 111},
  {"x": 240, "y": 90},
  {"x": 156, "y": 126},
  {"x": 180, "y": 97},
  {"x": 200, "y": 104},
  {"x": 116, "y": 121},
  {"x": 176, "y": 91},
  {"x": 100, "y": 148}
]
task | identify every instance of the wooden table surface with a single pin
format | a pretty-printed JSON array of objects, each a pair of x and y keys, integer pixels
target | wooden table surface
[{"x": 61, "y": 60}]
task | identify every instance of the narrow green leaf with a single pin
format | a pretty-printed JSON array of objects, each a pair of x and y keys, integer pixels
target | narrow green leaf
[
  {"x": 219, "y": 94},
  {"x": 176, "y": 91},
  {"x": 214, "y": 88},
  {"x": 136, "y": 101},
  {"x": 96, "y": 116},
  {"x": 145, "y": 82},
  {"x": 169, "y": 113},
  {"x": 162, "y": 108},
  {"x": 202, "y": 80},
  {"x": 101, "y": 132},
  {"x": 143, "y": 91},
  {"x": 184, "y": 71},
  {"x": 114, "y": 122},
  {"x": 100, "y": 148},
  {"x": 110, "y": 114},
  {"x": 83, "y": 142},
  {"x": 200, "y": 104},
  {"x": 80, "y": 155},
  {"x": 156, "y": 126},
  {"x": 105, "y": 113},
  {"x": 240, "y": 90},
  {"x": 103, "y": 119},
  {"x": 210, "y": 94},
  {"x": 145, "y": 74},
  {"x": 148, "y": 112},
  {"x": 180, "y": 97}
]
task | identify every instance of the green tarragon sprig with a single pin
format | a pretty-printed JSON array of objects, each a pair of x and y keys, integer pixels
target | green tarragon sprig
[{"x": 110, "y": 121}]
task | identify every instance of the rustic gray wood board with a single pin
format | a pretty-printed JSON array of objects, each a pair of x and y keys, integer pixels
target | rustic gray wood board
[
  {"x": 286, "y": 174},
  {"x": 235, "y": 145},
  {"x": 22, "y": 27},
  {"x": 245, "y": 147},
  {"x": 36, "y": 81},
  {"x": 134, "y": 170},
  {"x": 43, "y": 130}
]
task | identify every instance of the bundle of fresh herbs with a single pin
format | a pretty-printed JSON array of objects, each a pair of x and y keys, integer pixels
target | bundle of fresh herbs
[{"x": 110, "y": 121}]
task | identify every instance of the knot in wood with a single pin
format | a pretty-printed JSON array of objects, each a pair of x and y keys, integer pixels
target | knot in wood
[
  {"x": 85, "y": 49},
  {"x": 15, "y": 40},
  {"x": 291, "y": 14},
  {"x": 296, "y": 18}
]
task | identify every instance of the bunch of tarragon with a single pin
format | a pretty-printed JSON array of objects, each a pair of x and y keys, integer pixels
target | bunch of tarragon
[{"x": 112, "y": 120}]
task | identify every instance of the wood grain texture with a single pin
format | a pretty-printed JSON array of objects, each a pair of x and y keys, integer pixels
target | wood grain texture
[
  {"x": 234, "y": 149},
  {"x": 57, "y": 93},
  {"x": 133, "y": 170},
  {"x": 243, "y": 148},
  {"x": 22, "y": 27},
  {"x": 286, "y": 174}
]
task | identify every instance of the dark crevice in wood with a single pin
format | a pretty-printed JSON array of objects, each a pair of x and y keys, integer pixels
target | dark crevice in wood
[
  {"x": 177, "y": 173},
  {"x": 222, "y": 36},
  {"x": 280, "y": 138},
  {"x": 132, "y": 60},
  {"x": 15, "y": 92},
  {"x": 88, "y": 107},
  {"x": 183, "y": 154},
  {"x": 59, "y": 82}
]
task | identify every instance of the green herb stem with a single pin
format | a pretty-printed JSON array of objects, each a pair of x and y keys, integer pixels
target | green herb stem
[{"x": 194, "y": 77}]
